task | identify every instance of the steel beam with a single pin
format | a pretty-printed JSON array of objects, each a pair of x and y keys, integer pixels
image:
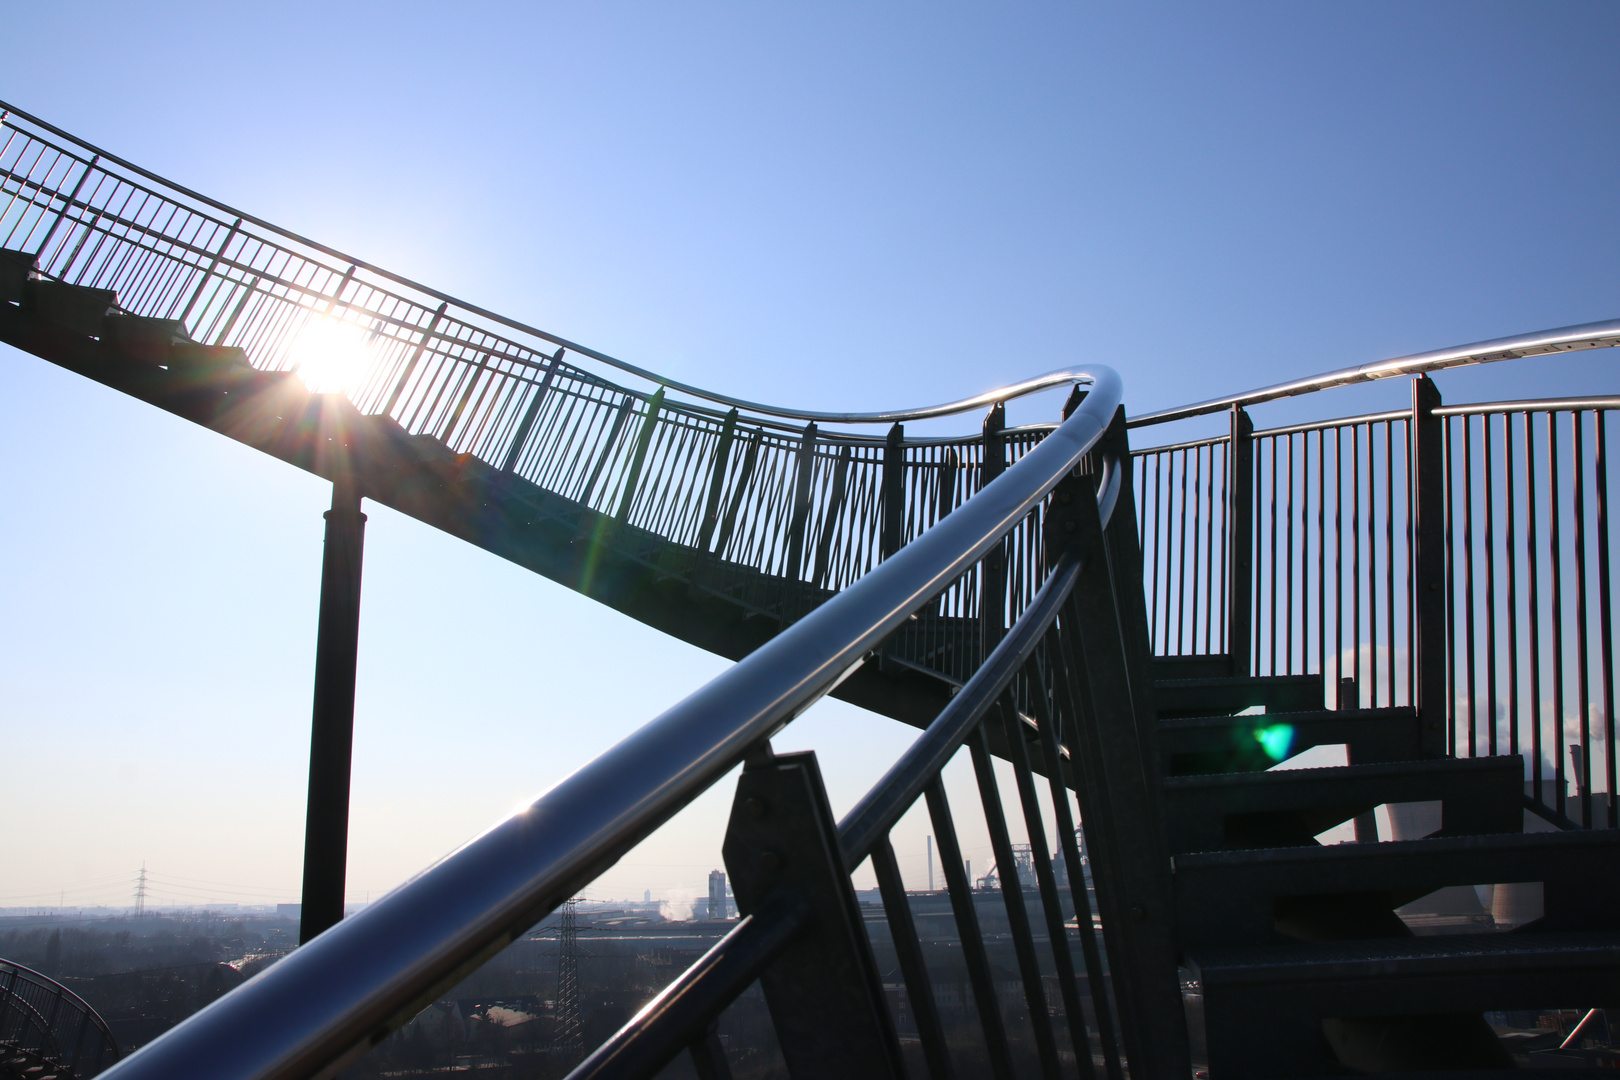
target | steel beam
[{"x": 331, "y": 744}]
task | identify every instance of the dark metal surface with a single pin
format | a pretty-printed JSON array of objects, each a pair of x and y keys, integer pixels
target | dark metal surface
[
  {"x": 781, "y": 839},
  {"x": 54, "y": 1029},
  {"x": 357, "y": 981},
  {"x": 331, "y": 744}
]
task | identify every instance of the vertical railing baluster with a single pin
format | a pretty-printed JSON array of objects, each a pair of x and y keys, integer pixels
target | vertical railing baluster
[
  {"x": 974, "y": 956},
  {"x": 894, "y": 492},
  {"x": 1535, "y": 604},
  {"x": 531, "y": 414},
  {"x": 993, "y": 567},
  {"x": 908, "y": 951},
  {"x": 1157, "y": 630},
  {"x": 416, "y": 356},
  {"x": 1468, "y": 583},
  {"x": 1556, "y": 558},
  {"x": 799, "y": 516},
  {"x": 1510, "y": 552},
  {"x": 1210, "y": 588},
  {"x": 1046, "y": 882},
  {"x": 1178, "y": 645},
  {"x": 1355, "y": 568},
  {"x": 1372, "y": 561},
  {"x": 1582, "y": 671},
  {"x": 835, "y": 509},
  {"x": 619, "y": 417},
  {"x": 717, "y": 480},
  {"x": 1490, "y": 580},
  {"x": 1321, "y": 554},
  {"x": 649, "y": 424},
  {"x": 208, "y": 273},
  {"x": 1012, "y": 895},
  {"x": 1051, "y": 738},
  {"x": 1288, "y": 568},
  {"x": 1338, "y": 568},
  {"x": 745, "y": 473},
  {"x": 1389, "y": 560},
  {"x": 1605, "y": 638},
  {"x": 67, "y": 205},
  {"x": 1271, "y": 560}
]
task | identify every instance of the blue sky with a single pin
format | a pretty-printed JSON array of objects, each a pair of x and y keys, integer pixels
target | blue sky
[{"x": 836, "y": 206}]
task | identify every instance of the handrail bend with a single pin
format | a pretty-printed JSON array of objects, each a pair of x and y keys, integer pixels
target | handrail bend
[{"x": 334, "y": 998}]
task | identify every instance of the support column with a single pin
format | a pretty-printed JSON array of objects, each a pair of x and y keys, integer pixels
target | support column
[
  {"x": 326, "y": 825},
  {"x": 1429, "y": 576}
]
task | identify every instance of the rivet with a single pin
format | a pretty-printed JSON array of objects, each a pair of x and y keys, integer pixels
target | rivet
[
  {"x": 771, "y": 861},
  {"x": 1138, "y": 914},
  {"x": 1065, "y": 498},
  {"x": 1071, "y": 526},
  {"x": 754, "y": 808}
]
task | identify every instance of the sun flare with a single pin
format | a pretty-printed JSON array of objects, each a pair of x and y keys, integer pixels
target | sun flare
[{"x": 330, "y": 356}]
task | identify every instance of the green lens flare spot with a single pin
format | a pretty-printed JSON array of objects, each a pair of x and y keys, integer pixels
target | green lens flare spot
[{"x": 1275, "y": 740}]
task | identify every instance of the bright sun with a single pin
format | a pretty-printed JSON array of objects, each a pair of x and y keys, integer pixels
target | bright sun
[{"x": 330, "y": 356}]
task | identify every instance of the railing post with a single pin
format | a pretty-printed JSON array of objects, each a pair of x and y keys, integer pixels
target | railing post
[
  {"x": 530, "y": 415},
  {"x": 326, "y": 824},
  {"x": 1240, "y": 544},
  {"x": 1429, "y": 565},
  {"x": 993, "y": 568},
  {"x": 824, "y": 991},
  {"x": 717, "y": 480},
  {"x": 1107, "y": 695},
  {"x": 655, "y": 405},
  {"x": 894, "y": 492},
  {"x": 799, "y": 520}
]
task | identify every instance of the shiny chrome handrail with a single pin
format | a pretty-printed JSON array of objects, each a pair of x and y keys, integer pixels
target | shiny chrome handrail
[
  {"x": 334, "y": 998},
  {"x": 1050, "y": 380},
  {"x": 1595, "y": 335}
]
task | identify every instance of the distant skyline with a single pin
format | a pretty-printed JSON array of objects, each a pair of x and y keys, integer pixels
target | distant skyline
[{"x": 837, "y": 207}]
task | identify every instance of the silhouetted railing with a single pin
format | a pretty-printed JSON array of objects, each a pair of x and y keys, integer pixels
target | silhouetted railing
[
  {"x": 1331, "y": 584},
  {"x": 789, "y": 501},
  {"x": 1530, "y": 663},
  {"x": 50, "y": 1028}
]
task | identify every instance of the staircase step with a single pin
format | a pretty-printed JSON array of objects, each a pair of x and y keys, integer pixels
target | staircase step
[
  {"x": 1260, "y": 1003},
  {"x": 138, "y": 338},
  {"x": 1217, "y": 744},
  {"x": 1212, "y": 665},
  {"x": 71, "y": 307},
  {"x": 1230, "y": 897},
  {"x": 1230, "y": 694},
  {"x": 15, "y": 268},
  {"x": 1289, "y": 806}
]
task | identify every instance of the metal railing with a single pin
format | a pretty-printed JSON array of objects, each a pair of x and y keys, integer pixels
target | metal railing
[
  {"x": 1318, "y": 525},
  {"x": 339, "y": 994},
  {"x": 738, "y": 480},
  {"x": 1529, "y": 665},
  {"x": 50, "y": 1026}
]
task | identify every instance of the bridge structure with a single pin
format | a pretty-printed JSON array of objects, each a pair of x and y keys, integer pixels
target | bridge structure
[{"x": 1139, "y": 633}]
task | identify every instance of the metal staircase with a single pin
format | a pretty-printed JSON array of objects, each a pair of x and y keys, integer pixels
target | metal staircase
[{"x": 1144, "y": 634}]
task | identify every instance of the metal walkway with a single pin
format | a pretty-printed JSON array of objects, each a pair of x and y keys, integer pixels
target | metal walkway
[{"x": 1102, "y": 620}]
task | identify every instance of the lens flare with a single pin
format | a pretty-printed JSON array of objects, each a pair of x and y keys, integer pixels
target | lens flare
[
  {"x": 330, "y": 356},
  {"x": 1275, "y": 740}
]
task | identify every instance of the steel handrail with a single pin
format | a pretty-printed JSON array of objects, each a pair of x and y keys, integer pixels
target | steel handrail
[
  {"x": 334, "y": 998},
  {"x": 1050, "y": 380},
  {"x": 1595, "y": 335}
]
